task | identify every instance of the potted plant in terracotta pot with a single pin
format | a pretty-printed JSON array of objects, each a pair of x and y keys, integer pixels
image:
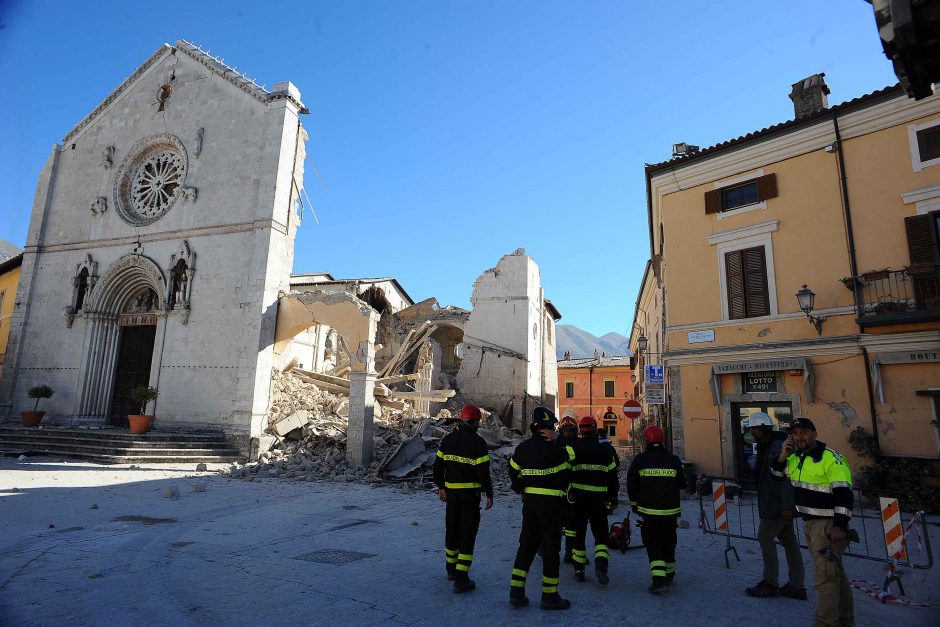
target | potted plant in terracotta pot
[
  {"x": 141, "y": 396},
  {"x": 32, "y": 418}
]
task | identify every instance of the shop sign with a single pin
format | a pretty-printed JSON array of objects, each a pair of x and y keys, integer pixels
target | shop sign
[{"x": 761, "y": 381}]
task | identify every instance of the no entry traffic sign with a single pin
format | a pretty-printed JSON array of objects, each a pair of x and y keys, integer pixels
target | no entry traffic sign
[{"x": 632, "y": 410}]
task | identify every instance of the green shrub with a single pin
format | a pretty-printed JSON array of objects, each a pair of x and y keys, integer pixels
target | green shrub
[{"x": 39, "y": 392}]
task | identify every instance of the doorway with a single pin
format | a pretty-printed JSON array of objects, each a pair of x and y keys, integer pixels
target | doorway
[
  {"x": 135, "y": 354},
  {"x": 745, "y": 458}
]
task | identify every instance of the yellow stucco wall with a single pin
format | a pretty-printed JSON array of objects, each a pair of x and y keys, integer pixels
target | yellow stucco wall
[
  {"x": 8, "y": 283},
  {"x": 904, "y": 421}
]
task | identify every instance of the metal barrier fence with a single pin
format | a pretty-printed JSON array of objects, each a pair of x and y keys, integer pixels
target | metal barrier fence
[{"x": 734, "y": 515}]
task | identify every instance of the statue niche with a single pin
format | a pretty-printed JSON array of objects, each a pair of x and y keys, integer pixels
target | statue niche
[
  {"x": 180, "y": 271},
  {"x": 83, "y": 281}
]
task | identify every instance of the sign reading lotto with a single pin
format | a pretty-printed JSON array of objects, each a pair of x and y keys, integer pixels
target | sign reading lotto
[
  {"x": 762, "y": 367},
  {"x": 761, "y": 381}
]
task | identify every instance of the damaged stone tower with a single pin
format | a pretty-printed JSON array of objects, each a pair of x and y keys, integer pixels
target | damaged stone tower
[{"x": 509, "y": 342}]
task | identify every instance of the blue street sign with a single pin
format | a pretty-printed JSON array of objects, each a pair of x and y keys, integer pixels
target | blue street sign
[{"x": 653, "y": 373}]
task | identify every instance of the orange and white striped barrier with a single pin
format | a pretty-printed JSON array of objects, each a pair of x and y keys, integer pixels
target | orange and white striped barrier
[
  {"x": 894, "y": 534},
  {"x": 721, "y": 509}
]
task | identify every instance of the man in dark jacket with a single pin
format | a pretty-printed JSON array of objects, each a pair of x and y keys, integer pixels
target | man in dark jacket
[
  {"x": 461, "y": 472},
  {"x": 594, "y": 485},
  {"x": 775, "y": 506},
  {"x": 540, "y": 470},
  {"x": 654, "y": 481}
]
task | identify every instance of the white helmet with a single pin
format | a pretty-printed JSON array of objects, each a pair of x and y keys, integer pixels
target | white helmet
[{"x": 758, "y": 419}]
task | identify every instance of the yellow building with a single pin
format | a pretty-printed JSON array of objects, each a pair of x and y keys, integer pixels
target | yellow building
[
  {"x": 844, "y": 200},
  {"x": 11, "y": 259}
]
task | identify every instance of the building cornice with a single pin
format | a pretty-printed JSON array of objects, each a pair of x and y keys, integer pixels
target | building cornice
[
  {"x": 791, "y": 348},
  {"x": 913, "y": 341},
  {"x": 793, "y": 315}
]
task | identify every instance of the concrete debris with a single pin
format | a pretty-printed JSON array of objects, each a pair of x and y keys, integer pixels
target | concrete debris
[
  {"x": 21, "y": 458},
  {"x": 307, "y": 437},
  {"x": 171, "y": 492},
  {"x": 199, "y": 487},
  {"x": 201, "y": 467}
]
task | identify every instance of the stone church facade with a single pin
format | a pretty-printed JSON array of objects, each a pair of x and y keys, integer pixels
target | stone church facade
[{"x": 161, "y": 235}]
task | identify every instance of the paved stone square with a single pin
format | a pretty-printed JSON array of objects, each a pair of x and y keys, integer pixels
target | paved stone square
[{"x": 100, "y": 545}]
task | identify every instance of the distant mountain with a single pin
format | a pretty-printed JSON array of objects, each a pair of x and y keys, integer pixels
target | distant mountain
[{"x": 583, "y": 344}]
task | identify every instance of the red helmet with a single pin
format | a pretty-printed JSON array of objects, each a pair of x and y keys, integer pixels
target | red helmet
[
  {"x": 470, "y": 412},
  {"x": 653, "y": 435},
  {"x": 587, "y": 424}
]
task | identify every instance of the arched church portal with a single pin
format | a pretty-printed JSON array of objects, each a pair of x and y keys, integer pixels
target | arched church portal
[{"x": 126, "y": 321}]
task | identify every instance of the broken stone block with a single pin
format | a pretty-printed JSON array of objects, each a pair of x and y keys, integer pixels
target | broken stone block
[
  {"x": 295, "y": 421},
  {"x": 199, "y": 487},
  {"x": 171, "y": 492},
  {"x": 201, "y": 467}
]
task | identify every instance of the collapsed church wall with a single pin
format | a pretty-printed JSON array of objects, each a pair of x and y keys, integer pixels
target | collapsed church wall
[
  {"x": 163, "y": 224},
  {"x": 507, "y": 341}
]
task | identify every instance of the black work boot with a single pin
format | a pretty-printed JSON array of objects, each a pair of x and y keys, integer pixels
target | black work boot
[
  {"x": 659, "y": 585},
  {"x": 463, "y": 583},
  {"x": 450, "y": 572},
  {"x": 554, "y": 601},
  {"x": 792, "y": 592},
  {"x": 517, "y": 597},
  {"x": 600, "y": 570},
  {"x": 763, "y": 590},
  {"x": 579, "y": 574}
]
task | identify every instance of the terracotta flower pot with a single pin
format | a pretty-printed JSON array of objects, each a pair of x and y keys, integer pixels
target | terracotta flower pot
[
  {"x": 140, "y": 424},
  {"x": 31, "y": 418}
]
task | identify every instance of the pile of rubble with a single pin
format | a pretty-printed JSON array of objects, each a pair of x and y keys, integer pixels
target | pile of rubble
[{"x": 306, "y": 439}]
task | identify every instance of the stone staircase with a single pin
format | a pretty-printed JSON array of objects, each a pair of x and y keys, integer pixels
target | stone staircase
[{"x": 118, "y": 446}]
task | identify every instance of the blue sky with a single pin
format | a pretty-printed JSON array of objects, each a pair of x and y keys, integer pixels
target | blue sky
[{"x": 448, "y": 134}]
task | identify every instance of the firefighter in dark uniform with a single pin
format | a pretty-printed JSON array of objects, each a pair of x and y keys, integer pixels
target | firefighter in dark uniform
[
  {"x": 654, "y": 481},
  {"x": 462, "y": 472},
  {"x": 568, "y": 436},
  {"x": 540, "y": 470},
  {"x": 594, "y": 486}
]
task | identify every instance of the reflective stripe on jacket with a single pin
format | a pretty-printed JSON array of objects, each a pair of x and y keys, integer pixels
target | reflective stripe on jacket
[
  {"x": 463, "y": 461},
  {"x": 822, "y": 484},
  {"x": 540, "y": 467},
  {"x": 595, "y": 468},
  {"x": 654, "y": 481}
]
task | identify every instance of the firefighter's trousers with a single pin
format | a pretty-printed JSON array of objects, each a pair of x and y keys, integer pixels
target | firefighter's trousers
[
  {"x": 590, "y": 507},
  {"x": 541, "y": 529},
  {"x": 659, "y": 536},
  {"x": 462, "y": 522}
]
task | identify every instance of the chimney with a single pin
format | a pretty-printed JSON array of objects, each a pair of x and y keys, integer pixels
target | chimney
[{"x": 809, "y": 95}]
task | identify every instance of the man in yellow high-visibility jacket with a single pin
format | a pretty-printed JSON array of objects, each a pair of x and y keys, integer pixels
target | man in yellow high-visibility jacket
[{"x": 822, "y": 491}]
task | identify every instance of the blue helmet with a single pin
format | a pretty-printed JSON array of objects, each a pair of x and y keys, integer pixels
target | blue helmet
[{"x": 544, "y": 418}]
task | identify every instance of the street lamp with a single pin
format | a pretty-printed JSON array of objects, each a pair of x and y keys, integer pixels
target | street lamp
[
  {"x": 807, "y": 299},
  {"x": 642, "y": 343}
]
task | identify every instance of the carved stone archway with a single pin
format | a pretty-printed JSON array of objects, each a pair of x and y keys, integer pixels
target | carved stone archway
[{"x": 123, "y": 281}]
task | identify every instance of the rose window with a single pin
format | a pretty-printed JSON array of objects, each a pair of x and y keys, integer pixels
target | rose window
[
  {"x": 151, "y": 179},
  {"x": 156, "y": 184}
]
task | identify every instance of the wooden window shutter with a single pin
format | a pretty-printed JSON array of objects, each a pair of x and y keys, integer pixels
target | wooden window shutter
[
  {"x": 922, "y": 241},
  {"x": 755, "y": 282},
  {"x": 767, "y": 186},
  {"x": 734, "y": 274},
  {"x": 713, "y": 201},
  {"x": 928, "y": 141},
  {"x": 746, "y": 276}
]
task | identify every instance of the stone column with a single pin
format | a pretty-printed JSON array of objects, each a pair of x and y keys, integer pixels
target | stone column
[{"x": 361, "y": 412}]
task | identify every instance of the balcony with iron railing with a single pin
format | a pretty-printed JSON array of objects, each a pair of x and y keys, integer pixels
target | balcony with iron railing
[{"x": 903, "y": 296}]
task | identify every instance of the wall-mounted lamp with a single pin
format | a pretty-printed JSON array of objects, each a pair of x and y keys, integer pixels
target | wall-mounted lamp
[
  {"x": 642, "y": 343},
  {"x": 807, "y": 298}
]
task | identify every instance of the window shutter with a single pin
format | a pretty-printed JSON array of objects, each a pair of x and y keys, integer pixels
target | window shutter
[
  {"x": 767, "y": 186},
  {"x": 928, "y": 141},
  {"x": 713, "y": 201},
  {"x": 755, "y": 282},
  {"x": 734, "y": 271},
  {"x": 921, "y": 240}
]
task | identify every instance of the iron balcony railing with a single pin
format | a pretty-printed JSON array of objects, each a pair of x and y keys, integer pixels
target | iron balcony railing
[{"x": 897, "y": 292}]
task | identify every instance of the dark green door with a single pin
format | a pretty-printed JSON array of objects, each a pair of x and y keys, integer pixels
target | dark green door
[{"x": 135, "y": 352}]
